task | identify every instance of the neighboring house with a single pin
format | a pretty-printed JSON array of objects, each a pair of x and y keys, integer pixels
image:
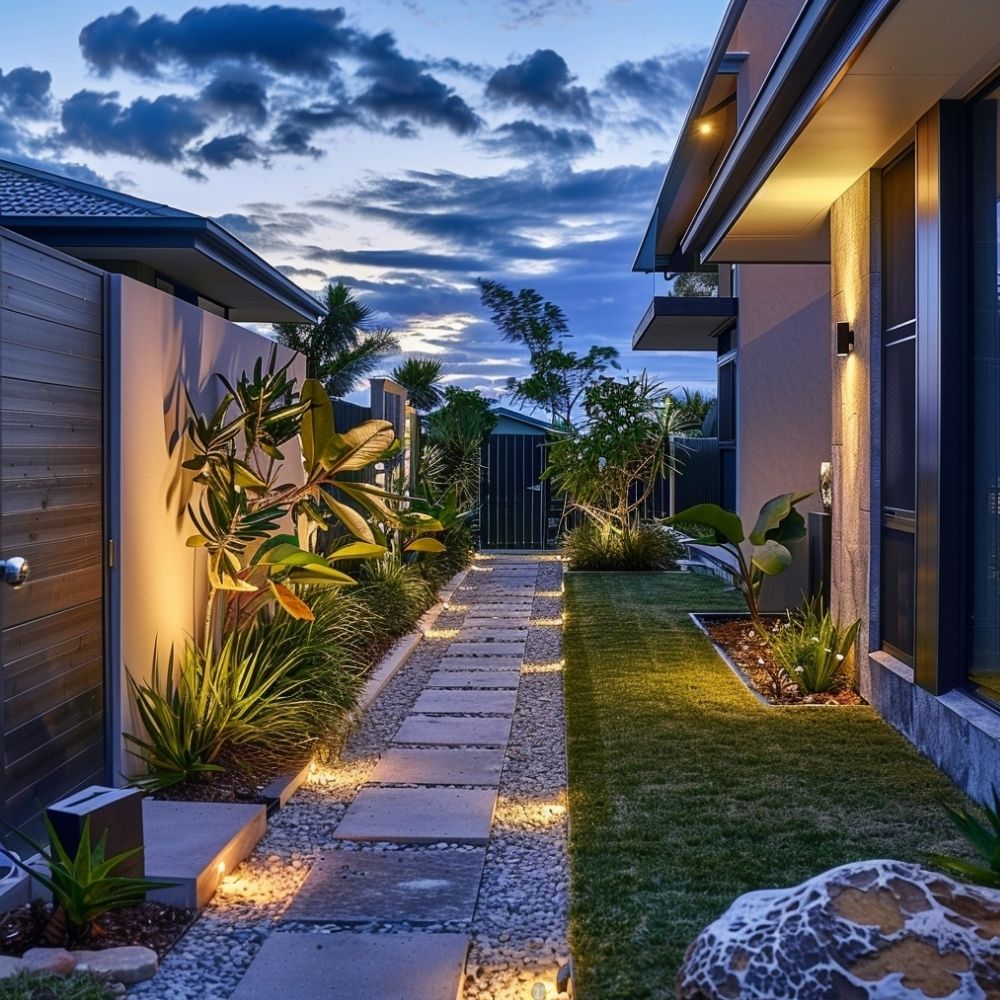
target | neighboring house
[
  {"x": 872, "y": 150},
  {"x": 768, "y": 333},
  {"x": 110, "y": 308}
]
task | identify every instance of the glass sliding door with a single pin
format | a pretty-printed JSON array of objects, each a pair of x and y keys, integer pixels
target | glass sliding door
[
  {"x": 899, "y": 413},
  {"x": 984, "y": 378}
]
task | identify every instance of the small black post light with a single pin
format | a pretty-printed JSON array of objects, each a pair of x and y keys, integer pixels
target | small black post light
[{"x": 845, "y": 340}]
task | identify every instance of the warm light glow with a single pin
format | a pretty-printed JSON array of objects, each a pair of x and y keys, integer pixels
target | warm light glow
[
  {"x": 547, "y": 622},
  {"x": 441, "y": 633},
  {"x": 554, "y": 667},
  {"x": 548, "y": 593},
  {"x": 221, "y": 868},
  {"x": 705, "y": 128}
]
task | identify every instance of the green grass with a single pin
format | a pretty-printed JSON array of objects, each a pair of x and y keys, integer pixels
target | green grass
[
  {"x": 43, "y": 986},
  {"x": 685, "y": 792}
]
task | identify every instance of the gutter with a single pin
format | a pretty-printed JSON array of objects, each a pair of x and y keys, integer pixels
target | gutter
[{"x": 828, "y": 34}]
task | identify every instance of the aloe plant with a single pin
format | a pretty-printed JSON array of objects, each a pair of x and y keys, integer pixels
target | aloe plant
[
  {"x": 984, "y": 839},
  {"x": 83, "y": 886},
  {"x": 778, "y": 526}
]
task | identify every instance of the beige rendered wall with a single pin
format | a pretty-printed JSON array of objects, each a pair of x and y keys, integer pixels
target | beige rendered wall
[
  {"x": 762, "y": 30},
  {"x": 160, "y": 345},
  {"x": 855, "y": 276},
  {"x": 783, "y": 398}
]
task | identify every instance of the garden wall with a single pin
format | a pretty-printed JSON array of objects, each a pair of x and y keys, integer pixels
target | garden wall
[{"x": 159, "y": 345}]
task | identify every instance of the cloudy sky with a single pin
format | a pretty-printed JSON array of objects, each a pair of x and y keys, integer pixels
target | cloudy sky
[{"x": 404, "y": 146}]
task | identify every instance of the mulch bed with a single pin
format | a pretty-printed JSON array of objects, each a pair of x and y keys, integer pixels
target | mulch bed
[
  {"x": 154, "y": 925},
  {"x": 747, "y": 650},
  {"x": 241, "y": 781}
]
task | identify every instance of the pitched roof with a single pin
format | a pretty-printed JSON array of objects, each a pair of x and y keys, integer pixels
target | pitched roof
[{"x": 26, "y": 191}]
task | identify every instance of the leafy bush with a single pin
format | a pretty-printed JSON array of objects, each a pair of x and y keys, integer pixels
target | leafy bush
[
  {"x": 395, "y": 594},
  {"x": 600, "y": 546},
  {"x": 240, "y": 695},
  {"x": 84, "y": 886},
  {"x": 460, "y": 547},
  {"x": 985, "y": 841},
  {"x": 48, "y": 986},
  {"x": 812, "y": 648}
]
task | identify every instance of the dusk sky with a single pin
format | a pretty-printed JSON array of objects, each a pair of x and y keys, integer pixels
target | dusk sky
[{"x": 404, "y": 146}]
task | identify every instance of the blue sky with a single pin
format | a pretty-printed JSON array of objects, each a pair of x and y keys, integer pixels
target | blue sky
[{"x": 405, "y": 146}]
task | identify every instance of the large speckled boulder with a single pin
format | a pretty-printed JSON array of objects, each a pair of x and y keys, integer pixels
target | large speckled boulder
[{"x": 875, "y": 930}]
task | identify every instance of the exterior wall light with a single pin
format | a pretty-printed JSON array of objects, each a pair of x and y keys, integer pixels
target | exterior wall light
[
  {"x": 705, "y": 128},
  {"x": 845, "y": 340}
]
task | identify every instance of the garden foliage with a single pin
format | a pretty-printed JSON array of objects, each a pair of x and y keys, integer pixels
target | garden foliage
[{"x": 812, "y": 648}]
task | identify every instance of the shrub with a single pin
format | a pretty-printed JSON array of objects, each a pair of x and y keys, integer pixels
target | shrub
[
  {"x": 460, "y": 547},
  {"x": 647, "y": 546},
  {"x": 84, "y": 886},
  {"x": 812, "y": 647},
  {"x": 394, "y": 593}
]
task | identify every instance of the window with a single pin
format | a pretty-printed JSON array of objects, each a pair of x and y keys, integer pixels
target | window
[
  {"x": 899, "y": 415},
  {"x": 727, "y": 418},
  {"x": 983, "y": 656}
]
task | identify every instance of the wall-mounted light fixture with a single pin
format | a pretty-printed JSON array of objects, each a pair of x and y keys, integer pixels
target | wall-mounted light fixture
[{"x": 845, "y": 340}]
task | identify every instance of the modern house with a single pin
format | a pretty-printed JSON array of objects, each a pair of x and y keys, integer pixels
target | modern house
[
  {"x": 110, "y": 309},
  {"x": 867, "y": 163}
]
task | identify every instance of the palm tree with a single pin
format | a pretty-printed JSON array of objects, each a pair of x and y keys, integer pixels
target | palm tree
[
  {"x": 421, "y": 378},
  {"x": 344, "y": 346}
]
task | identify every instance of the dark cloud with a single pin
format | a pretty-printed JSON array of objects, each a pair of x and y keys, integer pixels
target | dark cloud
[
  {"x": 290, "y": 40},
  {"x": 668, "y": 79},
  {"x": 535, "y": 11},
  {"x": 415, "y": 259},
  {"x": 401, "y": 87},
  {"x": 25, "y": 92},
  {"x": 525, "y": 139},
  {"x": 226, "y": 150},
  {"x": 237, "y": 96},
  {"x": 541, "y": 81},
  {"x": 155, "y": 130},
  {"x": 294, "y": 133}
]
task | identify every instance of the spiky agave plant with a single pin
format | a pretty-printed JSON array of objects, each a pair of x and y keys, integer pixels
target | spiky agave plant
[{"x": 984, "y": 838}]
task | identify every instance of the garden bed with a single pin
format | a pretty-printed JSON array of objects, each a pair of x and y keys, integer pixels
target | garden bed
[
  {"x": 244, "y": 780},
  {"x": 153, "y": 925},
  {"x": 751, "y": 659}
]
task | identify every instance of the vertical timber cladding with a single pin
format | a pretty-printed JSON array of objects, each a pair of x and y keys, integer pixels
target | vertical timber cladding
[
  {"x": 51, "y": 512},
  {"x": 514, "y": 512}
]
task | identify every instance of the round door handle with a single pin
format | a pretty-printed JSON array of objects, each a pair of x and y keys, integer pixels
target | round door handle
[{"x": 14, "y": 571}]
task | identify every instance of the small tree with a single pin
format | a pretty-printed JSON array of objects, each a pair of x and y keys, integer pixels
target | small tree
[
  {"x": 421, "y": 378},
  {"x": 696, "y": 284},
  {"x": 559, "y": 377},
  {"x": 344, "y": 347},
  {"x": 609, "y": 467}
]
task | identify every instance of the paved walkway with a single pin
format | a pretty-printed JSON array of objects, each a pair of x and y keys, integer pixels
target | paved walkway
[{"x": 406, "y": 861}]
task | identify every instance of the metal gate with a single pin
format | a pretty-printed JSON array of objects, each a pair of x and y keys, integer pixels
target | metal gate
[
  {"x": 52, "y": 738},
  {"x": 514, "y": 513}
]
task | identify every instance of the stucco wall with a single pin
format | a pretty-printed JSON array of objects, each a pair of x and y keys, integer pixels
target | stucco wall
[
  {"x": 783, "y": 398},
  {"x": 855, "y": 277},
  {"x": 761, "y": 32},
  {"x": 159, "y": 345}
]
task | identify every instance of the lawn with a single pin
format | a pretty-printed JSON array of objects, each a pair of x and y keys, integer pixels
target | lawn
[{"x": 685, "y": 792}]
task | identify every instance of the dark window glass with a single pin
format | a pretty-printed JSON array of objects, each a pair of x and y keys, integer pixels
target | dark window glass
[
  {"x": 896, "y": 590},
  {"x": 727, "y": 401},
  {"x": 727, "y": 477},
  {"x": 984, "y": 373},
  {"x": 899, "y": 413}
]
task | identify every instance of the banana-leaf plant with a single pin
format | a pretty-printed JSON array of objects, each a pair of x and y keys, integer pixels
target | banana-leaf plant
[
  {"x": 237, "y": 455},
  {"x": 778, "y": 526}
]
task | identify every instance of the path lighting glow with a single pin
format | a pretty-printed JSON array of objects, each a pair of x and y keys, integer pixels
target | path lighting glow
[
  {"x": 539, "y": 992},
  {"x": 221, "y": 868},
  {"x": 845, "y": 340}
]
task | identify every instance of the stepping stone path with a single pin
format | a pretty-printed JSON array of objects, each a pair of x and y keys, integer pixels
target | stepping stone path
[{"x": 404, "y": 865}]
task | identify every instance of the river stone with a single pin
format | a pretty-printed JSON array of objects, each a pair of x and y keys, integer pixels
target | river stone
[
  {"x": 58, "y": 961},
  {"x": 871, "y": 930},
  {"x": 10, "y": 966},
  {"x": 127, "y": 964}
]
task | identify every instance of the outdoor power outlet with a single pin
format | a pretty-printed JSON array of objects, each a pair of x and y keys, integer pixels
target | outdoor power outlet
[{"x": 115, "y": 810}]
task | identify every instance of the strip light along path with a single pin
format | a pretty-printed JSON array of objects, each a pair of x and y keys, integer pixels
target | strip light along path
[{"x": 431, "y": 859}]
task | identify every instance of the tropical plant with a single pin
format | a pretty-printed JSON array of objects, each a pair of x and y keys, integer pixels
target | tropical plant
[
  {"x": 240, "y": 694},
  {"x": 421, "y": 378},
  {"x": 558, "y": 377},
  {"x": 597, "y": 546},
  {"x": 697, "y": 284},
  {"x": 455, "y": 434},
  {"x": 344, "y": 346},
  {"x": 778, "y": 526},
  {"x": 695, "y": 407},
  {"x": 83, "y": 886},
  {"x": 610, "y": 466},
  {"x": 236, "y": 455},
  {"x": 984, "y": 838},
  {"x": 812, "y": 648},
  {"x": 395, "y": 592}
]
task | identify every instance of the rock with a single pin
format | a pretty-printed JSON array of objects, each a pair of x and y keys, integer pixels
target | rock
[
  {"x": 128, "y": 964},
  {"x": 55, "y": 960},
  {"x": 10, "y": 966},
  {"x": 872, "y": 930}
]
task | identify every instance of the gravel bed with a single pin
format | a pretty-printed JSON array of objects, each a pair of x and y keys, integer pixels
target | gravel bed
[{"x": 519, "y": 932}]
